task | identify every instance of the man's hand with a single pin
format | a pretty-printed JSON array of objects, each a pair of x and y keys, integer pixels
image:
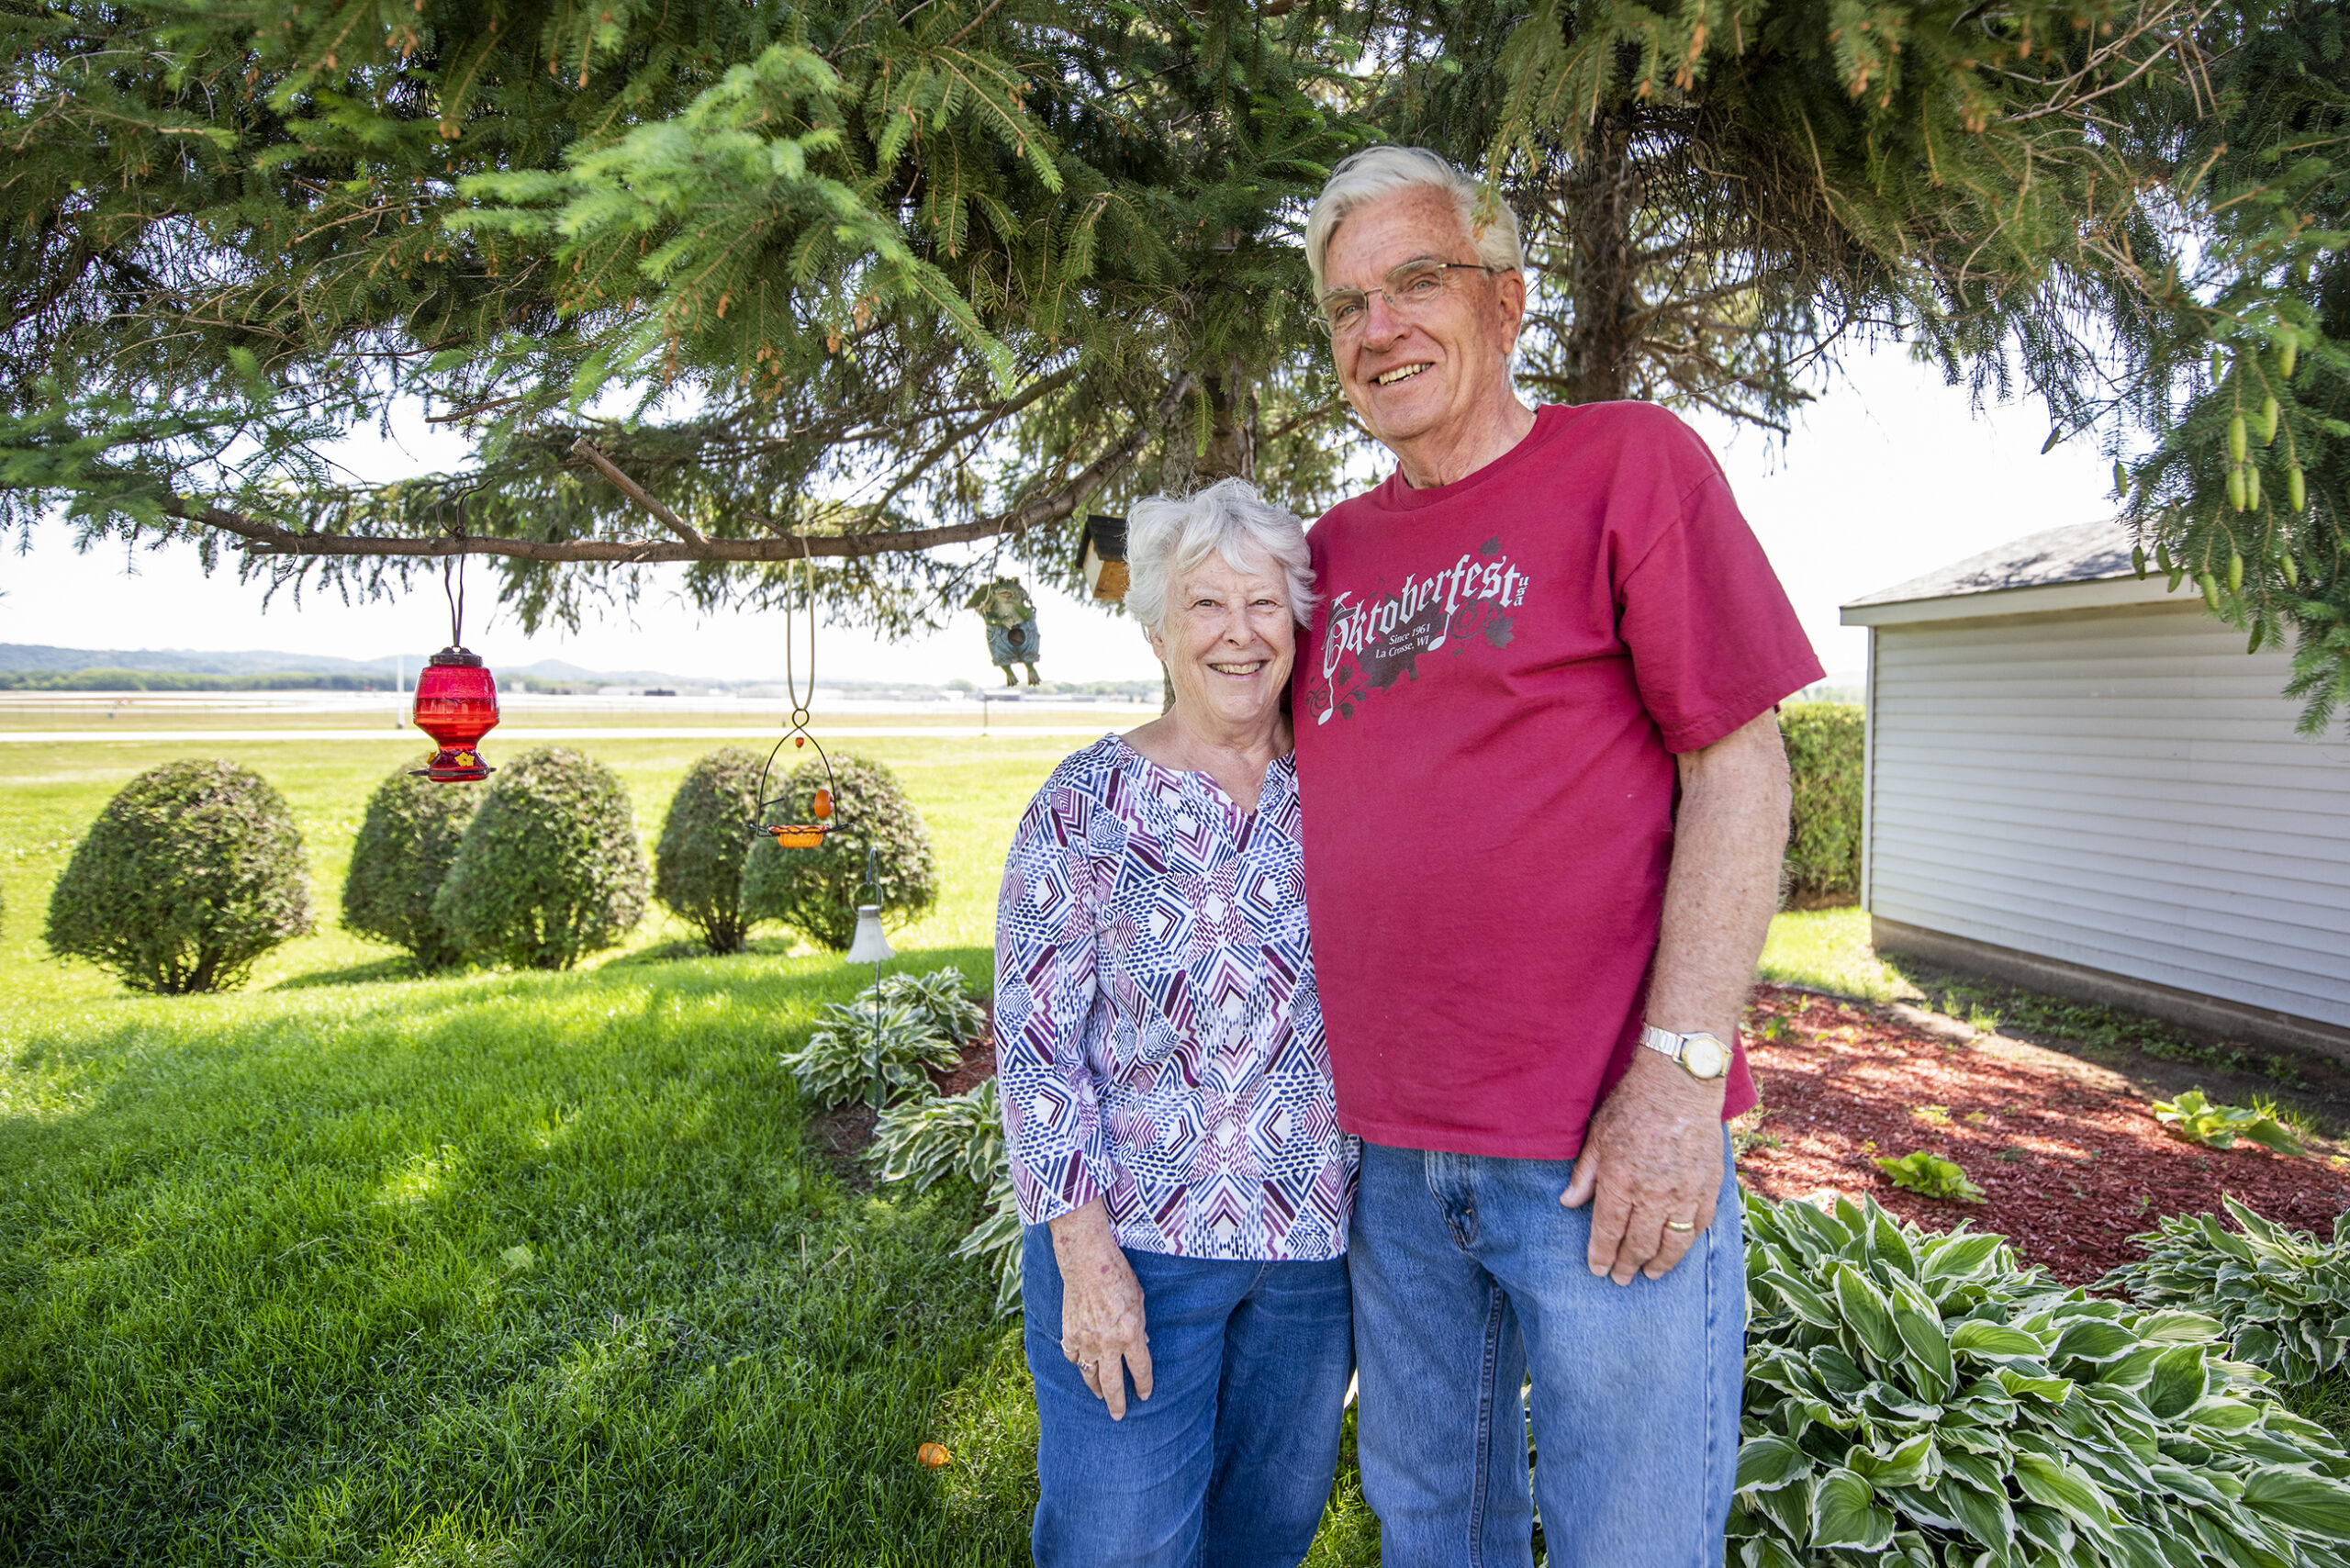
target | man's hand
[
  {"x": 1652, "y": 1162},
  {"x": 1653, "y": 1156},
  {"x": 1102, "y": 1310}
]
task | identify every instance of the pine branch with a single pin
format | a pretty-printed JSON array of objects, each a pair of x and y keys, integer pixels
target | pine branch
[
  {"x": 268, "y": 539},
  {"x": 587, "y": 450}
]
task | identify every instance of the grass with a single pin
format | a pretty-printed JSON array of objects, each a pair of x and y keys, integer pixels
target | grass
[
  {"x": 1828, "y": 949},
  {"x": 970, "y": 791},
  {"x": 468, "y": 1269},
  {"x": 2326, "y": 1402},
  {"x": 484, "y": 1268},
  {"x": 357, "y": 1266}
]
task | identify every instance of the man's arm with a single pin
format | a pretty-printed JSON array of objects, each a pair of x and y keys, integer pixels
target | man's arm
[{"x": 1653, "y": 1152}]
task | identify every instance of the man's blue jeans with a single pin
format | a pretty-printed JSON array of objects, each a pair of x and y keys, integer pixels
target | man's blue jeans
[
  {"x": 1467, "y": 1273},
  {"x": 1228, "y": 1464}
]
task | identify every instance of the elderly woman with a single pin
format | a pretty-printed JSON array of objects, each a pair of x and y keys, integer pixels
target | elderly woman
[{"x": 1167, "y": 1101}]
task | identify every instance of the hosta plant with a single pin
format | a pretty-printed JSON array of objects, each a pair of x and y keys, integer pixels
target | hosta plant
[
  {"x": 2281, "y": 1297},
  {"x": 924, "y": 1140},
  {"x": 941, "y": 993},
  {"x": 1931, "y": 1176},
  {"x": 997, "y": 1239},
  {"x": 1919, "y": 1397},
  {"x": 2198, "y": 1120},
  {"x": 838, "y": 1062}
]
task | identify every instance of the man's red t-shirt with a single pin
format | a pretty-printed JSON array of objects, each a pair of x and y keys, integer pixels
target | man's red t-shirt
[{"x": 1487, "y": 709}]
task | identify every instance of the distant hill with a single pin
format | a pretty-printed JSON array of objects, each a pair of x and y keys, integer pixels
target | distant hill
[
  {"x": 36, "y": 659},
  {"x": 29, "y": 657},
  {"x": 37, "y": 667}
]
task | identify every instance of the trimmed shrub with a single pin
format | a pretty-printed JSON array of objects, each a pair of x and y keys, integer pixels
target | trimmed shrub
[
  {"x": 816, "y": 891},
  {"x": 407, "y": 844},
  {"x": 698, "y": 868},
  {"x": 1918, "y": 1398},
  {"x": 1826, "y": 744},
  {"x": 2281, "y": 1296},
  {"x": 550, "y": 870},
  {"x": 191, "y": 873}
]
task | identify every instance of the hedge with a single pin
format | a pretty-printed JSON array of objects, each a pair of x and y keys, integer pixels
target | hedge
[
  {"x": 193, "y": 871},
  {"x": 550, "y": 869},
  {"x": 407, "y": 844},
  {"x": 698, "y": 868},
  {"x": 1824, "y": 749}
]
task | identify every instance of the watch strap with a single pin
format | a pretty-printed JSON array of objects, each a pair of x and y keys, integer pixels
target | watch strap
[
  {"x": 1677, "y": 1046},
  {"x": 1663, "y": 1040}
]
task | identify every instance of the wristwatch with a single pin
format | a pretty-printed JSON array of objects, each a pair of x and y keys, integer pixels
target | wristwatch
[{"x": 1700, "y": 1056}]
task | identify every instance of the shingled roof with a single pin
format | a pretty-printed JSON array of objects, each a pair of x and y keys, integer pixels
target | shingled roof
[{"x": 2079, "y": 553}]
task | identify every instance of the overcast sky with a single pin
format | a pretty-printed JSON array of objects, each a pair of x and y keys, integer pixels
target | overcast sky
[{"x": 1888, "y": 477}]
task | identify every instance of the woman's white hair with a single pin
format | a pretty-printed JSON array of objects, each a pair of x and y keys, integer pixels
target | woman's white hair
[
  {"x": 1377, "y": 171},
  {"x": 1169, "y": 537}
]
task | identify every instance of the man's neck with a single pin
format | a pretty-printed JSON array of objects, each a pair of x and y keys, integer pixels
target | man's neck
[{"x": 1446, "y": 459}]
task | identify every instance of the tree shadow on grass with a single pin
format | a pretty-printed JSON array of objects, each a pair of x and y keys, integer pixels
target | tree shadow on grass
[{"x": 398, "y": 967}]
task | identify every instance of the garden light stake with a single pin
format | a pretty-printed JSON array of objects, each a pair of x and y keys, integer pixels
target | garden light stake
[{"x": 872, "y": 947}]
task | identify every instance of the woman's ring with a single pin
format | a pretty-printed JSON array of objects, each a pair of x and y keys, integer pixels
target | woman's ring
[{"x": 1683, "y": 1226}]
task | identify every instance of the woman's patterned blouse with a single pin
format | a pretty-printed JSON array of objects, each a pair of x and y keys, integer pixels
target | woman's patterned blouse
[{"x": 1159, "y": 1041}]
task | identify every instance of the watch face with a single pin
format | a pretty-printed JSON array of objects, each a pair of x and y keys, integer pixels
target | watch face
[{"x": 1704, "y": 1055}]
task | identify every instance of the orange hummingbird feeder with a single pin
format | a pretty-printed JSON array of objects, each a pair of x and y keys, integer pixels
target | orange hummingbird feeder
[
  {"x": 807, "y": 834},
  {"x": 457, "y": 699}
]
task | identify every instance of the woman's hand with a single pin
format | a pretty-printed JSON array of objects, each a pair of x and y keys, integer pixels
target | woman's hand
[{"x": 1101, "y": 1317}]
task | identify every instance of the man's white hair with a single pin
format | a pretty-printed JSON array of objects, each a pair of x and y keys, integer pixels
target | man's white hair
[
  {"x": 1168, "y": 537},
  {"x": 1377, "y": 171}
]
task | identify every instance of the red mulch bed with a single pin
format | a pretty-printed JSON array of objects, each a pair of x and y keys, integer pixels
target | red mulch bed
[
  {"x": 2071, "y": 1160},
  {"x": 979, "y": 1060}
]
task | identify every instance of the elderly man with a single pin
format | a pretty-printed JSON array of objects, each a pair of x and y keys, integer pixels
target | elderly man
[{"x": 1544, "y": 804}]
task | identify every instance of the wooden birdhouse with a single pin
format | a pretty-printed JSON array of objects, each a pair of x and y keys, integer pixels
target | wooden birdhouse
[{"x": 1101, "y": 557}]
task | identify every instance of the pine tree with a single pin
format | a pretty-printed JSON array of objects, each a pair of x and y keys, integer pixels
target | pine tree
[{"x": 741, "y": 283}]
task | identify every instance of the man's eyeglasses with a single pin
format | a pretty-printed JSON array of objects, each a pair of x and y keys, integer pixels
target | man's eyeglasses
[{"x": 1409, "y": 290}]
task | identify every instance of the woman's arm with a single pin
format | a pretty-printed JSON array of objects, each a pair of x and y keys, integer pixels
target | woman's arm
[
  {"x": 1102, "y": 1309},
  {"x": 1046, "y": 986}
]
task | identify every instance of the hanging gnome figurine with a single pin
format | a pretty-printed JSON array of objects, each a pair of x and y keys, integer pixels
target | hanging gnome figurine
[{"x": 1011, "y": 616}]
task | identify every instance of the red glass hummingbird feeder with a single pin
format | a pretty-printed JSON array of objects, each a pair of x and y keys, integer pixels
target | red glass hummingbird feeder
[
  {"x": 456, "y": 704},
  {"x": 456, "y": 697}
]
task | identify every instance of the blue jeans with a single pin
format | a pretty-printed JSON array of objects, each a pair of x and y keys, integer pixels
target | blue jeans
[
  {"x": 1230, "y": 1460},
  {"x": 1468, "y": 1273}
]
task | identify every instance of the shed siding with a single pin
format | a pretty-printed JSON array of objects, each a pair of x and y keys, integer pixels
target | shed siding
[{"x": 2119, "y": 789}]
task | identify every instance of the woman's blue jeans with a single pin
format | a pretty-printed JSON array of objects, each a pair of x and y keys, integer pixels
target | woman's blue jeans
[
  {"x": 1468, "y": 1275},
  {"x": 1228, "y": 1464}
]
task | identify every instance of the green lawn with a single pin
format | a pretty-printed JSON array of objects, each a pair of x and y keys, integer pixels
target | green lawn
[
  {"x": 1828, "y": 949},
  {"x": 489, "y": 1268},
  {"x": 357, "y": 1267}
]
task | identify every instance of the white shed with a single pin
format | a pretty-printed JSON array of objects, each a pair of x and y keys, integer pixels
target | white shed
[{"x": 2082, "y": 784}]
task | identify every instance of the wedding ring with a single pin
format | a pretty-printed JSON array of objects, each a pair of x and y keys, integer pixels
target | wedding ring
[{"x": 1683, "y": 1226}]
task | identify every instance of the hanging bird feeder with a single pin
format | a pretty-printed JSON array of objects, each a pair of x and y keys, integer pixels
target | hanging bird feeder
[
  {"x": 456, "y": 704},
  {"x": 456, "y": 698},
  {"x": 807, "y": 834},
  {"x": 1101, "y": 557}
]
